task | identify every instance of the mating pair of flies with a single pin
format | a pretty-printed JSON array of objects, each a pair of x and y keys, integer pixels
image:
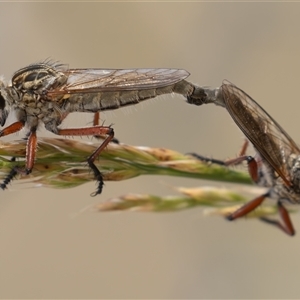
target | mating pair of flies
[{"x": 47, "y": 92}]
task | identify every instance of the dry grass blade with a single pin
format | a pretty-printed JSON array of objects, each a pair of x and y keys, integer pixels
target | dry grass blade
[
  {"x": 61, "y": 163},
  {"x": 217, "y": 201}
]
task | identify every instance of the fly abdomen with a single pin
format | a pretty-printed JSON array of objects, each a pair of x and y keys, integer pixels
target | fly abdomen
[
  {"x": 198, "y": 95},
  {"x": 93, "y": 102}
]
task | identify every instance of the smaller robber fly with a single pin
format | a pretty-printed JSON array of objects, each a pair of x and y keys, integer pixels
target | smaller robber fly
[
  {"x": 276, "y": 164},
  {"x": 47, "y": 92}
]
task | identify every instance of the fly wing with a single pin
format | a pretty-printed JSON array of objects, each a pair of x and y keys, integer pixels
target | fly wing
[
  {"x": 98, "y": 80},
  {"x": 266, "y": 135}
]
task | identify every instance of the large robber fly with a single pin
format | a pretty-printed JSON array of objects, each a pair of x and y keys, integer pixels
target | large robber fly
[
  {"x": 47, "y": 92},
  {"x": 276, "y": 164}
]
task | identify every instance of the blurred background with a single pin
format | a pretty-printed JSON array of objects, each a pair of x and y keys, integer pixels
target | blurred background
[{"x": 51, "y": 249}]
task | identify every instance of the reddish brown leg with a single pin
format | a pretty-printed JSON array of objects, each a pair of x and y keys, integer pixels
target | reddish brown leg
[
  {"x": 95, "y": 130},
  {"x": 286, "y": 219},
  {"x": 248, "y": 207},
  {"x": 252, "y": 165},
  {"x": 96, "y": 118},
  {"x": 235, "y": 161},
  {"x": 287, "y": 226},
  {"x": 31, "y": 143},
  {"x": 15, "y": 127},
  {"x": 30, "y": 151},
  {"x": 30, "y": 158},
  {"x": 244, "y": 148},
  {"x": 96, "y": 123}
]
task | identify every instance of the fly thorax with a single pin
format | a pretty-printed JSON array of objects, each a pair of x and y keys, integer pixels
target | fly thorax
[
  {"x": 265, "y": 174},
  {"x": 264, "y": 177},
  {"x": 282, "y": 192},
  {"x": 38, "y": 79},
  {"x": 30, "y": 85},
  {"x": 293, "y": 165}
]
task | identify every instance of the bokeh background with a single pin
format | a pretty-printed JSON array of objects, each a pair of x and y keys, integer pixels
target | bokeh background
[{"x": 51, "y": 247}]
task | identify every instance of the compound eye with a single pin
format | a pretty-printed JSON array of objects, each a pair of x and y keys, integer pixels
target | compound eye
[
  {"x": 2, "y": 102},
  {"x": 3, "y": 111}
]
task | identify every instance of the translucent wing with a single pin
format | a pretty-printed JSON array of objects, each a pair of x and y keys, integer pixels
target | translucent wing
[
  {"x": 98, "y": 80},
  {"x": 266, "y": 135}
]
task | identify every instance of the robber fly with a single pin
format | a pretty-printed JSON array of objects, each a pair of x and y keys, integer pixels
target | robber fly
[
  {"x": 47, "y": 92},
  {"x": 276, "y": 164}
]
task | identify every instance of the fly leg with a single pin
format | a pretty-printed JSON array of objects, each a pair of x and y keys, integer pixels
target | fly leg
[
  {"x": 95, "y": 131},
  {"x": 250, "y": 206},
  {"x": 96, "y": 123},
  {"x": 253, "y": 171},
  {"x": 235, "y": 161},
  {"x": 15, "y": 127},
  {"x": 208, "y": 159},
  {"x": 9, "y": 177},
  {"x": 252, "y": 164},
  {"x": 288, "y": 227},
  {"x": 29, "y": 159},
  {"x": 30, "y": 151}
]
